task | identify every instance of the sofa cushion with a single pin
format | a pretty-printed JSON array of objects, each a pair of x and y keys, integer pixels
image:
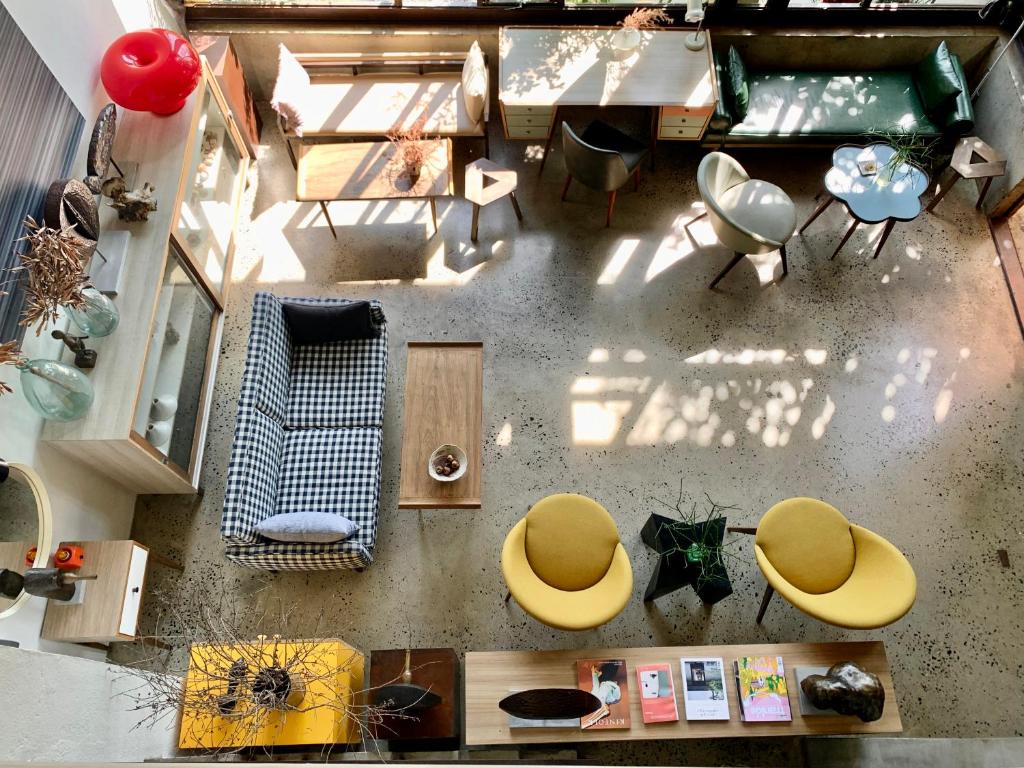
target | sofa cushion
[
  {"x": 307, "y": 527},
  {"x": 251, "y": 491},
  {"x": 799, "y": 104},
  {"x": 338, "y": 385},
  {"x": 323, "y": 323},
  {"x": 936, "y": 79},
  {"x": 291, "y": 91},
  {"x": 335, "y": 471},
  {"x": 474, "y": 82},
  {"x": 373, "y": 104},
  {"x": 739, "y": 85}
]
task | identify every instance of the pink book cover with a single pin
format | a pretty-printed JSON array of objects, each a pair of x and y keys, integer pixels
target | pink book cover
[
  {"x": 761, "y": 685},
  {"x": 657, "y": 693}
]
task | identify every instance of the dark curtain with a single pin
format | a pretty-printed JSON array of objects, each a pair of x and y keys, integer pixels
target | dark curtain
[{"x": 40, "y": 130}]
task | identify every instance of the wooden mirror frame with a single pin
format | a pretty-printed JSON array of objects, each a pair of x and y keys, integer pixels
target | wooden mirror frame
[{"x": 22, "y": 473}]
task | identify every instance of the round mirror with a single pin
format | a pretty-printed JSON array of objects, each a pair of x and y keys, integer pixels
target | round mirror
[{"x": 25, "y": 522}]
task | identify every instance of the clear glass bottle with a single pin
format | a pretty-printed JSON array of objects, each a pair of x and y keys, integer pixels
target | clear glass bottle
[
  {"x": 56, "y": 391},
  {"x": 99, "y": 317}
]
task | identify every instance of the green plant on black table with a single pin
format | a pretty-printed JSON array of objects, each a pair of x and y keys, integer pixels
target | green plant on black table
[{"x": 693, "y": 536}]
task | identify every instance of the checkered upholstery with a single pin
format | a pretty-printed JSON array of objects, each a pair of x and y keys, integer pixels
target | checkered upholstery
[{"x": 308, "y": 438}]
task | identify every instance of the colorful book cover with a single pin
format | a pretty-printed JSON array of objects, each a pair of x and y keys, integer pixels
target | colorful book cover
[
  {"x": 657, "y": 693},
  {"x": 704, "y": 693},
  {"x": 762, "y": 691},
  {"x": 606, "y": 679}
]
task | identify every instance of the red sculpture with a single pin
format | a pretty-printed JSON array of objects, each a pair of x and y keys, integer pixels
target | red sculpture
[{"x": 151, "y": 70}]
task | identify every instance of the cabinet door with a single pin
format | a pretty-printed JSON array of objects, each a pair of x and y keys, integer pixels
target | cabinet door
[
  {"x": 213, "y": 187},
  {"x": 172, "y": 405}
]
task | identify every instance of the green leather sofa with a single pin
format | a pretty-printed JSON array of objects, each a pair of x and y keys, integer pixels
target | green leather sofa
[{"x": 931, "y": 99}]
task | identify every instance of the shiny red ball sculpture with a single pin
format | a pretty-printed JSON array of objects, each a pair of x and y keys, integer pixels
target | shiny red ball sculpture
[{"x": 151, "y": 70}]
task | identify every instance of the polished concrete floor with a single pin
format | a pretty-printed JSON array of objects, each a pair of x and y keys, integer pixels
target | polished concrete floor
[{"x": 890, "y": 388}]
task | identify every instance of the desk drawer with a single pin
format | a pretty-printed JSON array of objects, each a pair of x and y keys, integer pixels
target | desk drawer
[
  {"x": 516, "y": 109},
  {"x": 685, "y": 111},
  {"x": 679, "y": 121},
  {"x": 690, "y": 132},
  {"x": 528, "y": 132},
  {"x": 535, "y": 121}
]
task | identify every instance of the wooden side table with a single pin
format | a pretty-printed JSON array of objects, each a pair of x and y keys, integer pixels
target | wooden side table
[
  {"x": 503, "y": 182},
  {"x": 436, "y": 669},
  {"x": 110, "y": 606},
  {"x": 963, "y": 166}
]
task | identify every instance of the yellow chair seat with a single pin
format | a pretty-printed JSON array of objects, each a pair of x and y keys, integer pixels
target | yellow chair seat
[
  {"x": 589, "y": 603},
  {"x": 879, "y": 586}
]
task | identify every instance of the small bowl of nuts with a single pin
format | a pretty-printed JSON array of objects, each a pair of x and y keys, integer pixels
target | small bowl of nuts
[{"x": 447, "y": 463}]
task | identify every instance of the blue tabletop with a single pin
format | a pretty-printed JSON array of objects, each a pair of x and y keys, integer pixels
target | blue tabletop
[{"x": 888, "y": 193}]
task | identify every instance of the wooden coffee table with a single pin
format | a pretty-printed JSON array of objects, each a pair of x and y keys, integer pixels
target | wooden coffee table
[
  {"x": 443, "y": 404},
  {"x": 370, "y": 170}
]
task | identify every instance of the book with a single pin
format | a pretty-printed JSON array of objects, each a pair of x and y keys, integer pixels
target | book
[
  {"x": 704, "y": 689},
  {"x": 657, "y": 693},
  {"x": 606, "y": 679},
  {"x": 761, "y": 689},
  {"x": 806, "y": 707},
  {"x": 526, "y": 722}
]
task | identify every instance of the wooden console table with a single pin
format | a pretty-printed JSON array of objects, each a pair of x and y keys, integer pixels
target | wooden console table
[
  {"x": 544, "y": 68},
  {"x": 490, "y": 676},
  {"x": 443, "y": 404}
]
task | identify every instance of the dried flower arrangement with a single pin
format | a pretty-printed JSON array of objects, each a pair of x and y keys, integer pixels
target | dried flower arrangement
[
  {"x": 54, "y": 263},
  {"x": 10, "y": 354},
  {"x": 412, "y": 151},
  {"x": 645, "y": 18}
]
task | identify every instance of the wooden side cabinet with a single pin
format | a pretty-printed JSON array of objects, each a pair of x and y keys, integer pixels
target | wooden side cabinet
[{"x": 110, "y": 606}]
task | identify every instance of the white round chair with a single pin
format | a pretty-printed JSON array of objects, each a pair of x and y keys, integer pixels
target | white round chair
[{"x": 748, "y": 215}]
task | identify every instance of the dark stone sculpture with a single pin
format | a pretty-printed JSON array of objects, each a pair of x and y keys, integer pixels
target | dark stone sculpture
[
  {"x": 550, "y": 703},
  {"x": 847, "y": 688},
  {"x": 101, "y": 145}
]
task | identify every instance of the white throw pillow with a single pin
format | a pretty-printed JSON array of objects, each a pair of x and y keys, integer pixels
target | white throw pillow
[
  {"x": 291, "y": 91},
  {"x": 474, "y": 83},
  {"x": 307, "y": 527}
]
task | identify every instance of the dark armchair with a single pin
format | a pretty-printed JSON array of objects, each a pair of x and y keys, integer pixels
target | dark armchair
[{"x": 603, "y": 158}]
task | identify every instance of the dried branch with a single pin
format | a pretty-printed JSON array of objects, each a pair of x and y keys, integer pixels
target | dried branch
[
  {"x": 410, "y": 143},
  {"x": 10, "y": 354},
  {"x": 236, "y": 681},
  {"x": 54, "y": 263},
  {"x": 645, "y": 18}
]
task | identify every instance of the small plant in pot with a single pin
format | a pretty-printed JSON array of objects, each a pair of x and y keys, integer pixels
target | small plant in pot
[
  {"x": 909, "y": 148},
  {"x": 692, "y": 548},
  {"x": 627, "y": 37},
  {"x": 413, "y": 149}
]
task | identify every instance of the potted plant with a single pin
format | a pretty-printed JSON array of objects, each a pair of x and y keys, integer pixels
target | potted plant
[
  {"x": 412, "y": 149},
  {"x": 627, "y": 37},
  {"x": 909, "y": 148},
  {"x": 692, "y": 549}
]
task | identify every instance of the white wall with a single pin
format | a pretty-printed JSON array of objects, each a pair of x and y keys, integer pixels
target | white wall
[
  {"x": 70, "y": 36},
  {"x": 67, "y": 709}
]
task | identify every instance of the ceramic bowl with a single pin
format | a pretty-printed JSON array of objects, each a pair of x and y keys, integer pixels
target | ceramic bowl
[{"x": 444, "y": 450}]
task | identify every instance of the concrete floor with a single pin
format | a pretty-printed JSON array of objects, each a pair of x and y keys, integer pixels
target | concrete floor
[{"x": 889, "y": 388}]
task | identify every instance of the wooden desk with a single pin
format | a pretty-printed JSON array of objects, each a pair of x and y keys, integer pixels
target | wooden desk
[
  {"x": 369, "y": 170},
  {"x": 544, "y": 68},
  {"x": 490, "y": 676},
  {"x": 443, "y": 404}
]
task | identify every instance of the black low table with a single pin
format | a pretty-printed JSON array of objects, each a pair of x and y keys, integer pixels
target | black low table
[{"x": 675, "y": 569}]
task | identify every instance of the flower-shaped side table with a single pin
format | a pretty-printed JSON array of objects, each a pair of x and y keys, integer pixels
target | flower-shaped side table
[{"x": 872, "y": 188}]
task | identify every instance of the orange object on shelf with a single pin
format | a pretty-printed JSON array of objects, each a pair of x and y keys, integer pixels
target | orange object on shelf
[
  {"x": 68, "y": 557},
  {"x": 30, "y": 557}
]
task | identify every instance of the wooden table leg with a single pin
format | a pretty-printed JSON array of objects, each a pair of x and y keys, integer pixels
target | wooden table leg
[
  {"x": 818, "y": 211},
  {"x": 889, "y": 224},
  {"x": 984, "y": 191},
  {"x": 655, "y": 114},
  {"x": 847, "y": 236},
  {"x": 941, "y": 192},
  {"x": 433, "y": 212},
  {"x": 547, "y": 144},
  {"x": 476, "y": 222},
  {"x": 323, "y": 207},
  {"x": 515, "y": 205}
]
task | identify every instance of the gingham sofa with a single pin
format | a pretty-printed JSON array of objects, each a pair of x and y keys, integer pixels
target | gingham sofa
[{"x": 307, "y": 439}]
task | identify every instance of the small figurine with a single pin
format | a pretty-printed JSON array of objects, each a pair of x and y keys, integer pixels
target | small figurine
[
  {"x": 84, "y": 357},
  {"x": 131, "y": 205}
]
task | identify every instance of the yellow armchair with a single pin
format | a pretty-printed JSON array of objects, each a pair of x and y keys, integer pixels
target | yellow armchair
[
  {"x": 831, "y": 569},
  {"x": 564, "y": 564}
]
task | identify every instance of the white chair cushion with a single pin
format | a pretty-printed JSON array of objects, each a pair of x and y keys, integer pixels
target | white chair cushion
[
  {"x": 292, "y": 92},
  {"x": 474, "y": 83},
  {"x": 761, "y": 208}
]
